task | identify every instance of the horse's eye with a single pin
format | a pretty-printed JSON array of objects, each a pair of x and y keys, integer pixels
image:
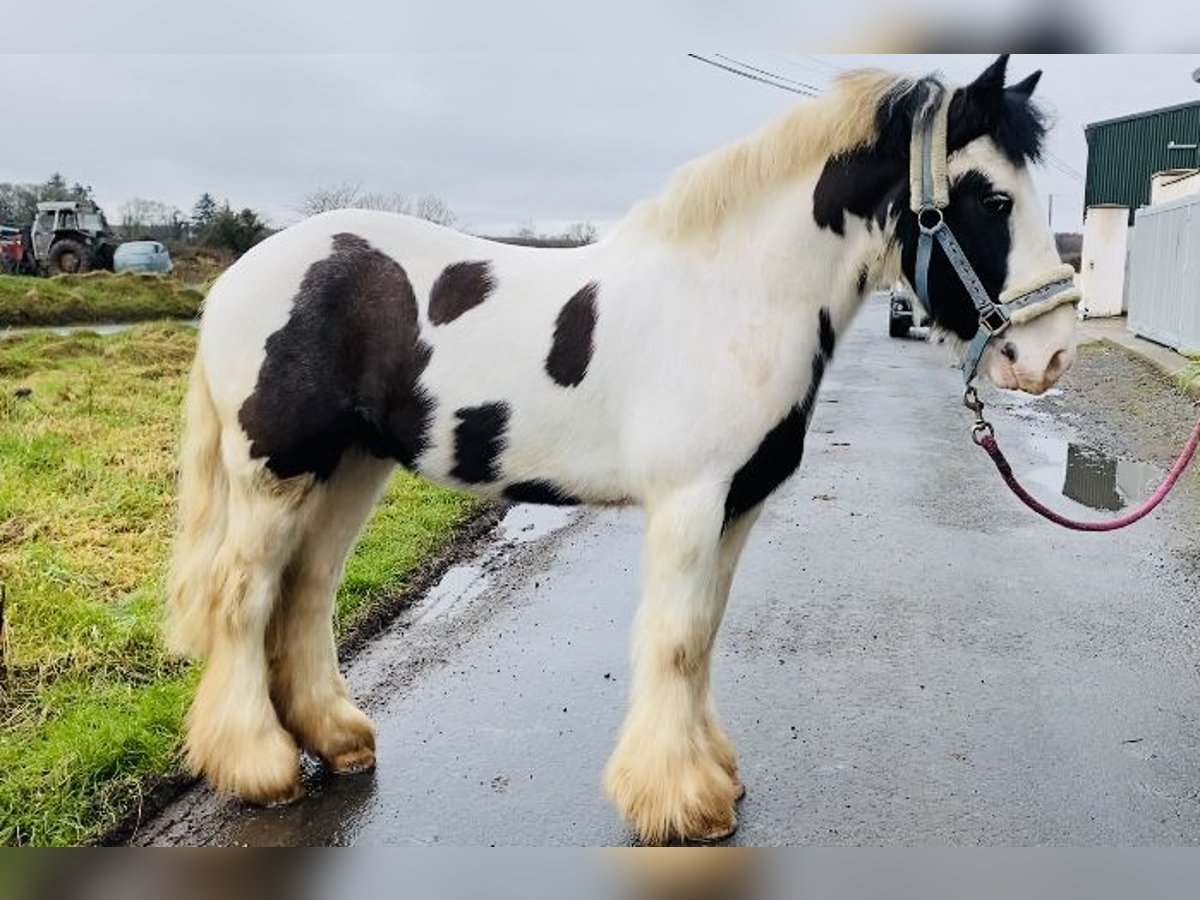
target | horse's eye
[{"x": 998, "y": 204}]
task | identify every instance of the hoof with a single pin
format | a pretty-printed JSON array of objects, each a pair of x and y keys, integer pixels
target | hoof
[
  {"x": 338, "y": 732},
  {"x": 719, "y": 835},
  {"x": 283, "y": 799},
  {"x": 686, "y": 801},
  {"x": 267, "y": 775},
  {"x": 351, "y": 762}
]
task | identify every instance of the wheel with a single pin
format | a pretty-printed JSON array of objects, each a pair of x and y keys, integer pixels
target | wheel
[
  {"x": 899, "y": 325},
  {"x": 104, "y": 257},
  {"x": 68, "y": 257}
]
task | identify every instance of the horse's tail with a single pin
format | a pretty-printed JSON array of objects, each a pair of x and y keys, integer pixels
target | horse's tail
[{"x": 203, "y": 509}]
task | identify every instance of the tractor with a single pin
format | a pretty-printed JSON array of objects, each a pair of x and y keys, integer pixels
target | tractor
[{"x": 67, "y": 237}]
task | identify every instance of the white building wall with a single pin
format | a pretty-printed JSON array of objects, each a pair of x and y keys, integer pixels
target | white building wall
[
  {"x": 1102, "y": 268},
  {"x": 1174, "y": 184}
]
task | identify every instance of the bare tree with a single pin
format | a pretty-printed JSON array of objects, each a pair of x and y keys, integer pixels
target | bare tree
[
  {"x": 433, "y": 208},
  {"x": 350, "y": 196},
  {"x": 140, "y": 215},
  {"x": 327, "y": 197},
  {"x": 394, "y": 202},
  {"x": 581, "y": 233}
]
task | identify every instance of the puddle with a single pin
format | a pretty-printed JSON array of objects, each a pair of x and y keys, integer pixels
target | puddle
[
  {"x": 460, "y": 585},
  {"x": 527, "y": 522},
  {"x": 1091, "y": 477},
  {"x": 100, "y": 328},
  {"x": 1079, "y": 472},
  {"x": 1100, "y": 481}
]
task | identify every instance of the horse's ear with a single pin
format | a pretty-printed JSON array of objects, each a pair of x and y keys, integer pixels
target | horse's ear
[
  {"x": 990, "y": 83},
  {"x": 1025, "y": 86},
  {"x": 975, "y": 108}
]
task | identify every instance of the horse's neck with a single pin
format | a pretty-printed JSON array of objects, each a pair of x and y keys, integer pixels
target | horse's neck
[
  {"x": 804, "y": 266},
  {"x": 768, "y": 263}
]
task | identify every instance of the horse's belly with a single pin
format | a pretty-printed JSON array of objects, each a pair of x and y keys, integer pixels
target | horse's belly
[{"x": 526, "y": 448}]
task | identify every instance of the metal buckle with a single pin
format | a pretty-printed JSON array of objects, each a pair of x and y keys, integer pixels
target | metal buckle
[
  {"x": 994, "y": 321},
  {"x": 982, "y": 428},
  {"x": 933, "y": 216}
]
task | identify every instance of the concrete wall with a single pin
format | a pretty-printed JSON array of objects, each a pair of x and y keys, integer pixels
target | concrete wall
[{"x": 1102, "y": 271}]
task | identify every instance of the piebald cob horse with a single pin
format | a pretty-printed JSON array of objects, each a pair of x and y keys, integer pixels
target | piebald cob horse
[{"x": 673, "y": 364}]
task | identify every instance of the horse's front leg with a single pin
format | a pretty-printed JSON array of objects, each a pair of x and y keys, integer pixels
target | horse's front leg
[{"x": 670, "y": 775}]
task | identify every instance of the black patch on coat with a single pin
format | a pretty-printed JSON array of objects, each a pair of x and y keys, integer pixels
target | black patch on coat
[
  {"x": 861, "y": 183},
  {"x": 780, "y": 451},
  {"x": 825, "y": 333},
  {"x": 344, "y": 371},
  {"x": 571, "y": 350},
  {"x": 478, "y": 442},
  {"x": 984, "y": 237},
  {"x": 539, "y": 492},
  {"x": 460, "y": 287},
  {"x": 863, "y": 273}
]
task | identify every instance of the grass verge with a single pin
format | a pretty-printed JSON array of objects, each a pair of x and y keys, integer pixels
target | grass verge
[
  {"x": 94, "y": 297},
  {"x": 90, "y": 706}
]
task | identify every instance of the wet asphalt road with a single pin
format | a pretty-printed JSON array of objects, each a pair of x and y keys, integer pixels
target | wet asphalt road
[{"x": 909, "y": 657}]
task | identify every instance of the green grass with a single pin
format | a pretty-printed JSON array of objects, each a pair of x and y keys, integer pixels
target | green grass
[
  {"x": 94, "y": 297},
  {"x": 90, "y": 705},
  {"x": 1188, "y": 378}
]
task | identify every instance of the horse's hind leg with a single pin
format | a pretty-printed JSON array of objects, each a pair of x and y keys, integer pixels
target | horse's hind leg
[
  {"x": 233, "y": 734},
  {"x": 309, "y": 692}
]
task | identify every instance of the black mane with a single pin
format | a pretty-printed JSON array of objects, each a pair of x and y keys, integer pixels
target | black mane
[{"x": 1008, "y": 116}]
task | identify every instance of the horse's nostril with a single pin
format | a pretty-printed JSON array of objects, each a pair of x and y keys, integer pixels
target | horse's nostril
[
  {"x": 1010, "y": 351},
  {"x": 1058, "y": 364}
]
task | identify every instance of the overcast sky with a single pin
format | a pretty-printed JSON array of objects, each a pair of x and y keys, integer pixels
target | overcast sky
[{"x": 504, "y": 139}]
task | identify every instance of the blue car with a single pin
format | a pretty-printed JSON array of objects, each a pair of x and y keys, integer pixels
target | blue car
[{"x": 142, "y": 256}]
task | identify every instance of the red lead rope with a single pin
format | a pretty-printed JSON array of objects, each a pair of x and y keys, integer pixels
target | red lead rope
[{"x": 985, "y": 439}]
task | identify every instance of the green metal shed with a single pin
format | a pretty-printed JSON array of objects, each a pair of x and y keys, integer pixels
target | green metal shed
[{"x": 1124, "y": 153}]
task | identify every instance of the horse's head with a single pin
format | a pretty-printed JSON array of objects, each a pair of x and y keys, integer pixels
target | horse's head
[{"x": 992, "y": 133}]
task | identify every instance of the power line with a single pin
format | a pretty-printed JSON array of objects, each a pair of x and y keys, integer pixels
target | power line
[
  {"x": 823, "y": 62},
  {"x": 751, "y": 76},
  {"x": 775, "y": 75},
  {"x": 784, "y": 83},
  {"x": 1062, "y": 166},
  {"x": 826, "y": 71}
]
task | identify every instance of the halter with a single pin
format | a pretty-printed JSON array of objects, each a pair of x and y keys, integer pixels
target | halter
[{"x": 929, "y": 188}]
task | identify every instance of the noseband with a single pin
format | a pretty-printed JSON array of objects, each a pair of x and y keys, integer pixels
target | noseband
[{"x": 929, "y": 188}]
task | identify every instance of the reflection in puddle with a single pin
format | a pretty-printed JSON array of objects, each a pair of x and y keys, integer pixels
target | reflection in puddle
[
  {"x": 466, "y": 582},
  {"x": 527, "y": 522},
  {"x": 1101, "y": 481},
  {"x": 101, "y": 328},
  {"x": 460, "y": 585}
]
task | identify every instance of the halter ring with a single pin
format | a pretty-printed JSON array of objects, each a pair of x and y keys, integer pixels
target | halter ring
[{"x": 930, "y": 219}]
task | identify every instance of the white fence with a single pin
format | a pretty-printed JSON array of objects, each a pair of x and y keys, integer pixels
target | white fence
[{"x": 1164, "y": 274}]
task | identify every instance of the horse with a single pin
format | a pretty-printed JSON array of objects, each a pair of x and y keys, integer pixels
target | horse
[{"x": 673, "y": 364}]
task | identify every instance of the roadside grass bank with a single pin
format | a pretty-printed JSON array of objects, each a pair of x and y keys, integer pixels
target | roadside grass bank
[
  {"x": 91, "y": 707},
  {"x": 94, "y": 297}
]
